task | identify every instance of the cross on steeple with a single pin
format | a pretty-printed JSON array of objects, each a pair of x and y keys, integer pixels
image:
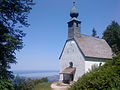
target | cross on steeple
[
  {"x": 74, "y": 23},
  {"x": 74, "y": 1},
  {"x": 74, "y": 12}
]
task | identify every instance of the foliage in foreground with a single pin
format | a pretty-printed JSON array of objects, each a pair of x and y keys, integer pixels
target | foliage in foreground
[
  {"x": 6, "y": 85},
  {"x": 27, "y": 84},
  {"x": 106, "y": 77}
]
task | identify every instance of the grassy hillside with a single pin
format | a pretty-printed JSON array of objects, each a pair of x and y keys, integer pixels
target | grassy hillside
[
  {"x": 31, "y": 84},
  {"x": 106, "y": 77},
  {"x": 42, "y": 86}
]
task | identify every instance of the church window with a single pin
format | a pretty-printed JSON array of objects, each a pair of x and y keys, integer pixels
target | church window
[
  {"x": 100, "y": 64},
  {"x": 71, "y": 64},
  {"x": 73, "y": 50},
  {"x": 67, "y": 51}
]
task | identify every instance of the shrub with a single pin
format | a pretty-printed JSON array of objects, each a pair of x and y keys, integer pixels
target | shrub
[
  {"x": 6, "y": 84},
  {"x": 106, "y": 77}
]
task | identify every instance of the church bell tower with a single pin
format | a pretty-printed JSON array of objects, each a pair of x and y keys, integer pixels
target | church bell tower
[{"x": 74, "y": 23}]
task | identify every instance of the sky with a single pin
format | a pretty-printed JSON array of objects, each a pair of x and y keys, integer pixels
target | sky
[{"x": 48, "y": 29}]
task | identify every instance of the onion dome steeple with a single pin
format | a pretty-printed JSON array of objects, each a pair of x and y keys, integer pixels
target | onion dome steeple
[
  {"x": 74, "y": 24},
  {"x": 74, "y": 11}
]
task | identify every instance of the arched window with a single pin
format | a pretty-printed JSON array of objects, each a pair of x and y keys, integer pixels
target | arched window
[{"x": 71, "y": 64}]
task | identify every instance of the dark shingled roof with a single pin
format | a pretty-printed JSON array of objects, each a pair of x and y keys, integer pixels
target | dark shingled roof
[{"x": 94, "y": 47}]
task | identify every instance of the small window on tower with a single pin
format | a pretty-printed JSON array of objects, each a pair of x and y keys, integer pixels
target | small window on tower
[{"x": 77, "y": 25}]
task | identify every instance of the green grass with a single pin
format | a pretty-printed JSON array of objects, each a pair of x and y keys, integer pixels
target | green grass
[{"x": 42, "y": 86}]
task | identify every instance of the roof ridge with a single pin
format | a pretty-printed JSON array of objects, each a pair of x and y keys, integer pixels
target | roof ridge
[{"x": 91, "y": 36}]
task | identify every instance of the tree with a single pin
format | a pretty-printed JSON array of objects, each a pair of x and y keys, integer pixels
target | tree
[
  {"x": 94, "y": 32},
  {"x": 112, "y": 36},
  {"x": 13, "y": 16}
]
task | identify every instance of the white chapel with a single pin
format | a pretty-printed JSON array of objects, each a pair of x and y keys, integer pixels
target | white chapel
[{"x": 81, "y": 52}]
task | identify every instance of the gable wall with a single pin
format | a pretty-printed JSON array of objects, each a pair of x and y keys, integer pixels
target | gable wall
[{"x": 71, "y": 53}]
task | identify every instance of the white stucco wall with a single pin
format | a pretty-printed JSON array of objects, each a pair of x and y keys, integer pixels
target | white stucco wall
[
  {"x": 71, "y": 53},
  {"x": 92, "y": 61}
]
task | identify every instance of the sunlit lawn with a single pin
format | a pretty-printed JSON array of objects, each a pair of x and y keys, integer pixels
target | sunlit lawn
[{"x": 42, "y": 86}]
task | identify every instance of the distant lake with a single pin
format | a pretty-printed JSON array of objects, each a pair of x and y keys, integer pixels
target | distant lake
[{"x": 36, "y": 74}]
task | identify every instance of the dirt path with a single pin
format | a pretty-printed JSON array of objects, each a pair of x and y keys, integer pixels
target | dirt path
[{"x": 56, "y": 86}]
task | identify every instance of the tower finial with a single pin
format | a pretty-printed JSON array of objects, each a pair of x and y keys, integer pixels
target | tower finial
[
  {"x": 74, "y": 12},
  {"x": 74, "y": 2}
]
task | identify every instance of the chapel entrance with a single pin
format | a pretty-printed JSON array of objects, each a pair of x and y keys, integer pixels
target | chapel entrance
[
  {"x": 68, "y": 73},
  {"x": 67, "y": 78}
]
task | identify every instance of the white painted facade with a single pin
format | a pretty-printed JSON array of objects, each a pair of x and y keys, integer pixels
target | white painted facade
[
  {"x": 71, "y": 53},
  {"x": 89, "y": 62}
]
